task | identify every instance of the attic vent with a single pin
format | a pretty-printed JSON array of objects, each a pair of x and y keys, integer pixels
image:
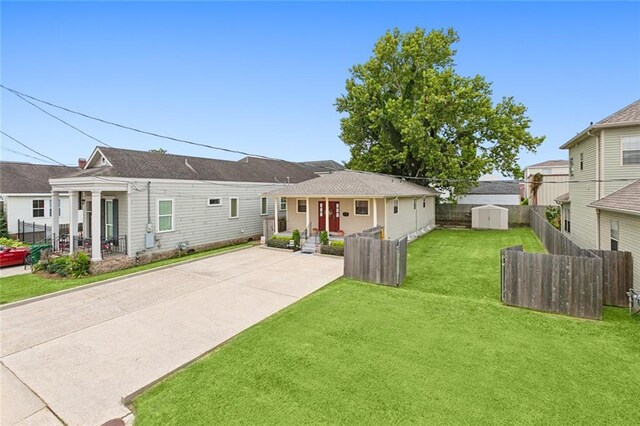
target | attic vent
[{"x": 103, "y": 161}]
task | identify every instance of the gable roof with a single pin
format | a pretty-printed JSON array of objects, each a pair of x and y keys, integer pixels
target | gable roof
[
  {"x": 323, "y": 166},
  {"x": 625, "y": 200},
  {"x": 563, "y": 199},
  {"x": 27, "y": 178},
  {"x": 550, "y": 163},
  {"x": 129, "y": 163},
  {"x": 354, "y": 183},
  {"x": 627, "y": 116},
  {"x": 496, "y": 187}
]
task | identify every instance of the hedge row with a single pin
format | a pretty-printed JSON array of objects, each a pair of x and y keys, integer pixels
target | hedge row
[{"x": 333, "y": 250}]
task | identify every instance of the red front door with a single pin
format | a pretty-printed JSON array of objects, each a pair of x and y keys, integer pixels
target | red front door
[{"x": 334, "y": 216}]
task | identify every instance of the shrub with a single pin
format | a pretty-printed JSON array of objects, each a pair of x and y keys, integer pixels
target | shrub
[
  {"x": 59, "y": 265},
  {"x": 337, "y": 244},
  {"x": 553, "y": 216},
  {"x": 278, "y": 243},
  {"x": 75, "y": 266},
  {"x": 80, "y": 265},
  {"x": 324, "y": 238},
  {"x": 9, "y": 242},
  {"x": 524, "y": 202},
  {"x": 332, "y": 250},
  {"x": 280, "y": 238},
  {"x": 295, "y": 236}
]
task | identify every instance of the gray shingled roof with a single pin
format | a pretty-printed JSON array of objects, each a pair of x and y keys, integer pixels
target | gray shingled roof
[
  {"x": 626, "y": 199},
  {"x": 496, "y": 187},
  {"x": 153, "y": 165},
  {"x": 630, "y": 113},
  {"x": 355, "y": 183},
  {"x": 26, "y": 178},
  {"x": 550, "y": 163},
  {"x": 323, "y": 166},
  {"x": 564, "y": 198}
]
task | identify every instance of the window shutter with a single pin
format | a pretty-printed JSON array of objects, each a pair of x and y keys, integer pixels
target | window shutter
[
  {"x": 116, "y": 229},
  {"x": 102, "y": 206}
]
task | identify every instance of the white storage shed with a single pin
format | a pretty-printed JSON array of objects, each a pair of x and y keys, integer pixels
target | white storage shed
[{"x": 490, "y": 217}]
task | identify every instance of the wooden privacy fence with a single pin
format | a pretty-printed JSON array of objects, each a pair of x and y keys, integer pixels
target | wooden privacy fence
[
  {"x": 460, "y": 214},
  {"x": 617, "y": 266},
  {"x": 569, "y": 285},
  {"x": 375, "y": 260}
]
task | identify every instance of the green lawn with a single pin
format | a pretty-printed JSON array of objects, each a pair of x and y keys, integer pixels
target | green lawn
[
  {"x": 18, "y": 287},
  {"x": 442, "y": 349}
]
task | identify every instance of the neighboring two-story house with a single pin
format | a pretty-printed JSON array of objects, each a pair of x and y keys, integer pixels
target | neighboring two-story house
[
  {"x": 555, "y": 181},
  {"x": 602, "y": 208}
]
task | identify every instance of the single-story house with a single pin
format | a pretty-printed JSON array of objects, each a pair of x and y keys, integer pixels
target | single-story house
[
  {"x": 495, "y": 192},
  {"x": 348, "y": 201},
  {"x": 26, "y": 196},
  {"x": 322, "y": 166},
  {"x": 140, "y": 202}
]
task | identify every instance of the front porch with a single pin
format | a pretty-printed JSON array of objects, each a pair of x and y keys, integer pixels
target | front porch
[{"x": 103, "y": 204}]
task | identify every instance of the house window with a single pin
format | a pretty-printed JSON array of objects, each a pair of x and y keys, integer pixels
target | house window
[
  {"x": 582, "y": 161},
  {"x": 264, "y": 208},
  {"x": 51, "y": 208},
  {"x": 283, "y": 204},
  {"x": 108, "y": 219},
  {"x": 614, "y": 235},
  {"x": 396, "y": 205},
  {"x": 567, "y": 219},
  {"x": 362, "y": 207},
  {"x": 630, "y": 150},
  {"x": 571, "y": 166},
  {"x": 214, "y": 202},
  {"x": 233, "y": 208},
  {"x": 301, "y": 206},
  {"x": 165, "y": 215},
  {"x": 38, "y": 208}
]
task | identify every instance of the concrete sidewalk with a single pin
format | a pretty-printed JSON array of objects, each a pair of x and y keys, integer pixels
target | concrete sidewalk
[{"x": 82, "y": 352}]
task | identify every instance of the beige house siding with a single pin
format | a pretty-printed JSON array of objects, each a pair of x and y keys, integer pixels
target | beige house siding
[
  {"x": 583, "y": 218},
  {"x": 546, "y": 193},
  {"x": 629, "y": 238},
  {"x": 552, "y": 187},
  {"x": 613, "y": 168},
  {"x": 408, "y": 219}
]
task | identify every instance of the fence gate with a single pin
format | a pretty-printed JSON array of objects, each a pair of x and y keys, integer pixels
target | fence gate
[{"x": 374, "y": 260}]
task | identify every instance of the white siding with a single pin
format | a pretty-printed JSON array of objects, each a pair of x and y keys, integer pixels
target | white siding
[
  {"x": 629, "y": 238},
  {"x": 501, "y": 199},
  {"x": 21, "y": 207},
  {"x": 408, "y": 219}
]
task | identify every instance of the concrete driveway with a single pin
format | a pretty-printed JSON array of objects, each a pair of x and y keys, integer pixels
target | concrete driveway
[
  {"x": 9, "y": 271},
  {"x": 75, "y": 356}
]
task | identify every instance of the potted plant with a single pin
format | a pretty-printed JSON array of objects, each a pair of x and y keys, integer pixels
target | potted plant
[
  {"x": 341, "y": 233},
  {"x": 314, "y": 231}
]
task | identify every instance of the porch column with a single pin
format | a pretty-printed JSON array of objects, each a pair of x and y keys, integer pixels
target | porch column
[
  {"x": 73, "y": 220},
  {"x": 306, "y": 212},
  {"x": 375, "y": 212},
  {"x": 55, "y": 217},
  {"x": 95, "y": 226},
  {"x": 275, "y": 214},
  {"x": 326, "y": 213}
]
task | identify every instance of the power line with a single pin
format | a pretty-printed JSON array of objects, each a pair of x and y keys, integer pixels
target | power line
[
  {"x": 122, "y": 126},
  {"x": 58, "y": 118},
  {"x": 31, "y": 149},
  {"x": 4, "y": 148}
]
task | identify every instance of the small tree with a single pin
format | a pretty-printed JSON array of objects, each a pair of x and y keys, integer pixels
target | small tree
[
  {"x": 295, "y": 236},
  {"x": 536, "y": 182},
  {"x": 159, "y": 150},
  {"x": 4, "y": 232}
]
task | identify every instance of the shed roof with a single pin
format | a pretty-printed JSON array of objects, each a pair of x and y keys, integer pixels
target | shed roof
[
  {"x": 550, "y": 163},
  {"x": 490, "y": 206},
  {"x": 625, "y": 200},
  {"x": 154, "y": 165},
  {"x": 355, "y": 183},
  {"x": 27, "y": 178}
]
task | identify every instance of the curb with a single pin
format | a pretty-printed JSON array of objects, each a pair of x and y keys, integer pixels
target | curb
[{"x": 110, "y": 280}]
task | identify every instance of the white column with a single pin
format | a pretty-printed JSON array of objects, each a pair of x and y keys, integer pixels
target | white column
[
  {"x": 95, "y": 226},
  {"x": 375, "y": 212},
  {"x": 326, "y": 214},
  {"x": 306, "y": 213},
  {"x": 55, "y": 217},
  {"x": 275, "y": 215},
  {"x": 73, "y": 220}
]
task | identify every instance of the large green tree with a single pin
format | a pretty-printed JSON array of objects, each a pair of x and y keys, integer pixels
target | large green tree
[{"x": 407, "y": 112}]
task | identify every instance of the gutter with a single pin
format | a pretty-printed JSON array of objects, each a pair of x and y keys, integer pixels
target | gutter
[
  {"x": 615, "y": 210},
  {"x": 587, "y": 131}
]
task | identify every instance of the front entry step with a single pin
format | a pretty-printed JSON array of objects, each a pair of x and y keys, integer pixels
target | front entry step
[{"x": 308, "y": 248}]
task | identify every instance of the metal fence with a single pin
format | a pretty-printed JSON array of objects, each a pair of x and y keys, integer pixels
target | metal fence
[
  {"x": 569, "y": 285},
  {"x": 368, "y": 258}
]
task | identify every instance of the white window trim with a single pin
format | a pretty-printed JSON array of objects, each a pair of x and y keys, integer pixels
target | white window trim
[
  {"x": 622, "y": 151},
  {"x": 305, "y": 203},
  {"x": 285, "y": 204},
  {"x": 44, "y": 208},
  {"x": 237, "y": 207},
  {"x": 266, "y": 204},
  {"x": 173, "y": 215},
  {"x": 355, "y": 211},
  {"x": 214, "y": 205},
  {"x": 393, "y": 206}
]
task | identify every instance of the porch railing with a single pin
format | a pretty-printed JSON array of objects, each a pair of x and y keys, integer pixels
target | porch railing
[{"x": 108, "y": 247}]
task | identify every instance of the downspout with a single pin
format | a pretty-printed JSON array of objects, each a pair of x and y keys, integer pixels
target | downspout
[
  {"x": 602, "y": 163},
  {"x": 149, "y": 206}
]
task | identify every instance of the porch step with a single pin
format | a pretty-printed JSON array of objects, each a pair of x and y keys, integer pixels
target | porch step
[{"x": 308, "y": 248}]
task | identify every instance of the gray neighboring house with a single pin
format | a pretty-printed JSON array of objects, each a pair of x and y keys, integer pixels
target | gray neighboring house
[
  {"x": 151, "y": 202},
  {"x": 602, "y": 208},
  {"x": 347, "y": 201},
  {"x": 323, "y": 166},
  {"x": 496, "y": 192},
  {"x": 26, "y": 195}
]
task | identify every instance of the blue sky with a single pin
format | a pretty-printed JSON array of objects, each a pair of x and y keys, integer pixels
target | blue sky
[{"x": 263, "y": 77}]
